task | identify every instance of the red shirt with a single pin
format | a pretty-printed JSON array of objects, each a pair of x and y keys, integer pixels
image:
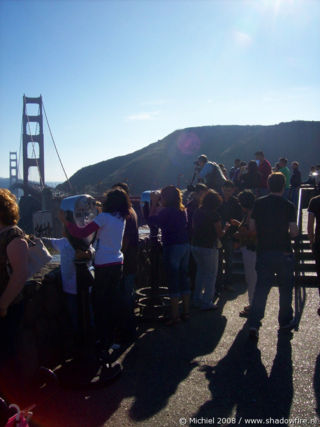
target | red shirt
[{"x": 265, "y": 170}]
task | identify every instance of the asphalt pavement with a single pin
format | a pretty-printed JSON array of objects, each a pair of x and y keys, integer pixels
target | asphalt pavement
[{"x": 206, "y": 372}]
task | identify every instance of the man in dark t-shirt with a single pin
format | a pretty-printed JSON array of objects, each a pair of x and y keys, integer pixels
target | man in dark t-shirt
[
  {"x": 314, "y": 216},
  {"x": 199, "y": 191},
  {"x": 274, "y": 220}
]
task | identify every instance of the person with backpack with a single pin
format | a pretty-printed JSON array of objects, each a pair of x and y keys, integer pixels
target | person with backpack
[
  {"x": 210, "y": 173},
  {"x": 13, "y": 275}
]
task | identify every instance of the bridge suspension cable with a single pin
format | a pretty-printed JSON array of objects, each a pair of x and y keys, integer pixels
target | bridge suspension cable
[
  {"x": 65, "y": 174},
  {"x": 20, "y": 150}
]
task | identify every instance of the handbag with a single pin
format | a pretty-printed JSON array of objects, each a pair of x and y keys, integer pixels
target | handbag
[{"x": 38, "y": 255}]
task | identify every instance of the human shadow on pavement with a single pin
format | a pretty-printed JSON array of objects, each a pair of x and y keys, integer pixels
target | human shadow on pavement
[
  {"x": 153, "y": 367},
  {"x": 164, "y": 359},
  {"x": 240, "y": 379},
  {"x": 316, "y": 384}
]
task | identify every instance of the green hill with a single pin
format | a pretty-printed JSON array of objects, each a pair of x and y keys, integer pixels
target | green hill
[{"x": 170, "y": 160}]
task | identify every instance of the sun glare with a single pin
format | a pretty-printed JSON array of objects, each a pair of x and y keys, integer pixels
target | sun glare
[{"x": 276, "y": 6}]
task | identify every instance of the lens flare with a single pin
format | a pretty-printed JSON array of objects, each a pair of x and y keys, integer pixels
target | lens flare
[{"x": 188, "y": 143}]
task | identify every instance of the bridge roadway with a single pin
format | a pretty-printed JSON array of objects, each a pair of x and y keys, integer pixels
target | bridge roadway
[{"x": 206, "y": 370}]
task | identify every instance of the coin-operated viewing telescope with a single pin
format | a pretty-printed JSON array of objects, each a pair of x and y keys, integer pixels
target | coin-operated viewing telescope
[
  {"x": 80, "y": 210},
  {"x": 86, "y": 369}
]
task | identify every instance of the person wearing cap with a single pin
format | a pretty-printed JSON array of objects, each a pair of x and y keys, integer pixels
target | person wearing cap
[
  {"x": 265, "y": 170},
  {"x": 210, "y": 173}
]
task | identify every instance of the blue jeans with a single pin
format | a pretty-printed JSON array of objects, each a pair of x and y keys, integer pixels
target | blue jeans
[
  {"x": 207, "y": 269},
  {"x": 176, "y": 263},
  {"x": 269, "y": 263}
]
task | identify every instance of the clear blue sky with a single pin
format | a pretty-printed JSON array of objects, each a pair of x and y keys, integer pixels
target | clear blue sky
[{"x": 116, "y": 76}]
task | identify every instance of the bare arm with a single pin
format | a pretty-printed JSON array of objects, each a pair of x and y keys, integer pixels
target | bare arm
[
  {"x": 311, "y": 227},
  {"x": 17, "y": 251}
]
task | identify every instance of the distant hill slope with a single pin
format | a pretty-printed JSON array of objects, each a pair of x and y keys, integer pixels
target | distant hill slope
[
  {"x": 5, "y": 183},
  {"x": 170, "y": 160}
]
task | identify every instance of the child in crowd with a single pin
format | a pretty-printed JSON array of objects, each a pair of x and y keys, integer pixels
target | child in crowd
[{"x": 68, "y": 252}]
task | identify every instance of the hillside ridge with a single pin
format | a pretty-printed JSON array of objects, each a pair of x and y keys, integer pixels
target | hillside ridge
[{"x": 170, "y": 160}]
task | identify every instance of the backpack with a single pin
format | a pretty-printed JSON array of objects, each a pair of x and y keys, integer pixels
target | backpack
[
  {"x": 38, "y": 255},
  {"x": 215, "y": 177}
]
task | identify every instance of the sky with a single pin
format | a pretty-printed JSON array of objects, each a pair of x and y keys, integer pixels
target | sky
[{"x": 116, "y": 76}]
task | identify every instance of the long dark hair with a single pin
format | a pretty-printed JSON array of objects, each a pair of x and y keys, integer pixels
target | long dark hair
[
  {"x": 210, "y": 201},
  {"x": 253, "y": 167},
  {"x": 172, "y": 197},
  {"x": 246, "y": 199},
  {"x": 117, "y": 202}
]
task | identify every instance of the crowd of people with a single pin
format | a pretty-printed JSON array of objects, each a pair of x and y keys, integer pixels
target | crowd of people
[{"x": 251, "y": 208}]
